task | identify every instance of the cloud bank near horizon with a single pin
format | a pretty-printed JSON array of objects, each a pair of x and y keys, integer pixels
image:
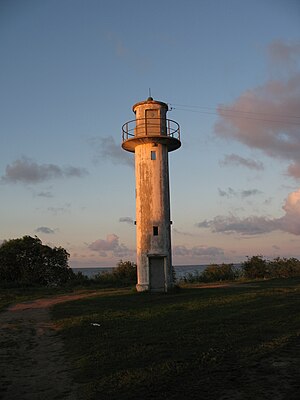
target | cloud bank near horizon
[
  {"x": 197, "y": 251},
  {"x": 256, "y": 225}
]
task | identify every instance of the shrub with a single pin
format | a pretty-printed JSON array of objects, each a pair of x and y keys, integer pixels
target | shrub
[
  {"x": 213, "y": 273},
  {"x": 284, "y": 267},
  {"x": 255, "y": 267},
  {"x": 123, "y": 275}
]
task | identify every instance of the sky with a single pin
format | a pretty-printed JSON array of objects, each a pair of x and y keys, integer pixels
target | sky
[{"x": 70, "y": 71}]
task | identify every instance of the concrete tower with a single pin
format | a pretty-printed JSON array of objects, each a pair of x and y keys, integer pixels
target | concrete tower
[{"x": 151, "y": 136}]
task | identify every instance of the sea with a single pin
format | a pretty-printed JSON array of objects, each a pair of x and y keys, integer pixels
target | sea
[{"x": 180, "y": 270}]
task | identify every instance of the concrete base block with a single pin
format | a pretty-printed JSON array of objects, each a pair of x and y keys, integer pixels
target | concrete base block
[{"x": 144, "y": 287}]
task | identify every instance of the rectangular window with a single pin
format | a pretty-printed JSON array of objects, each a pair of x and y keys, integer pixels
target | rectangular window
[
  {"x": 153, "y": 155},
  {"x": 155, "y": 231}
]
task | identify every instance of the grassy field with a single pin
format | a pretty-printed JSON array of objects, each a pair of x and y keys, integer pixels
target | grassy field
[{"x": 239, "y": 342}]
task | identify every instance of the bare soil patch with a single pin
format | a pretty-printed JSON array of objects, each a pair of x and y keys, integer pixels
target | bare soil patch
[{"x": 33, "y": 365}]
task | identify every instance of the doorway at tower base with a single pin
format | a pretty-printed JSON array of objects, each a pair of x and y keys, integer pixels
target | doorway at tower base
[{"x": 159, "y": 278}]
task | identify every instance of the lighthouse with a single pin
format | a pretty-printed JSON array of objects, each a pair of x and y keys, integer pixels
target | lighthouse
[{"x": 151, "y": 136}]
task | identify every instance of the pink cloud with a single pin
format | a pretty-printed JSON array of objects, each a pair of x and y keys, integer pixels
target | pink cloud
[
  {"x": 256, "y": 225},
  {"x": 290, "y": 222},
  {"x": 294, "y": 170},
  {"x": 267, "y": 117},
  {"x": 111, "y": 242},
  {"x": 236, "y": 160},
  {"x": 110, "y": 246},
  {"x": 284, "y": 53}
]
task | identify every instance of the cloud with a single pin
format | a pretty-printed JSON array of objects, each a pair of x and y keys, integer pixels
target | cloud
[
  {"x": 111, "y": 242},
  {"x": 106, "y": 149},
  {"x": 128, "y": 55},
  {"x": 236, "y": 160},
  {"x": 110, "y": 245},
  {"x": 197, "y": 251},
  {"x": 267, "y": 117},
  {"x": 256, "y": 225},
  {"x": 283, "y": 53},
  {"x": 294, "y": 170},
  {"x": 45, "y": 194},
  {"x": 24, "y": 170},
  {"x": 128, "y": 220},
  {"x": 290, "y": 222},
  {"x": 250, "y": 192},
  {"x": 183, "y": 233},
  {"x": 229, "y": 193},
  {"x": 45, "y": 229},
  {"x": 243, "y": 194},
  {"x": 246, "y": 226},
  {"x": 59, "y": 210}
]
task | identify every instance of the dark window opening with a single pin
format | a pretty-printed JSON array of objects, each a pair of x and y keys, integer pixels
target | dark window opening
[
  {"x": 155, "y": 231},
  {"x": 153, "y": 155}
]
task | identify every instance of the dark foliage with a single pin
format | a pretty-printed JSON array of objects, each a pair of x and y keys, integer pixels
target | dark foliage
[
  {"x": 26, "y": 261},
  {"x": 123, "y": 275},
  {"x": 257, "y": 267},
  {"x": 214, "y": 273},
  {"x": 223, "y": 272}
]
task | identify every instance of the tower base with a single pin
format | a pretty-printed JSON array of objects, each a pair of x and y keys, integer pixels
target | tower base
[
  {"x": 147, "y": 288},
  {"x": 142, "y": 287}
]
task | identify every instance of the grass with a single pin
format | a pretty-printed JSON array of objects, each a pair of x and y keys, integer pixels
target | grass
[{"x": 198, "y": 343}]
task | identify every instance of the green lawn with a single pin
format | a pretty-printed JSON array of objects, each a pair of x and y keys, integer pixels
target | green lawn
[{"x": 195, "y": 344}]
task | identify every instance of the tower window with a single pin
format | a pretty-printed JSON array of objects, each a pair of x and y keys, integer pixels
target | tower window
[
  {"x": 155, "y": 231},
  {"x": 153, "y": 155}
]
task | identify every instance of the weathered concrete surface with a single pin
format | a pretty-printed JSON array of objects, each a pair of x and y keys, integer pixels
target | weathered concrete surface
[
  {"x": 152, "y": 208},
  {"x": 152, "y": 194}
]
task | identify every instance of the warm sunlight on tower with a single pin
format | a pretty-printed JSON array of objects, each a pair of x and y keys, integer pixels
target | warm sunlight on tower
[{"x": 151, "y": 136}]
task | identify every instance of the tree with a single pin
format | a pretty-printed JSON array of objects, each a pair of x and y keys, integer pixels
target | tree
[
  {"x": 123, "y": 275},
  {"x": 256, "y": 267},
  {"x": 214, "y": 273},
  {"x": 27, "y": 261}
]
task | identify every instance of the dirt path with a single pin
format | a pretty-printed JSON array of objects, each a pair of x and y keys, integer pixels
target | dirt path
[{"x": 32, "y": 361}]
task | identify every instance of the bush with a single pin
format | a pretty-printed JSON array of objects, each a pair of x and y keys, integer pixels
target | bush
[
  {"x": 123, "y": 275},
  {"x": 255, "y": 267},
  {"x": 28, "y": 262},
  {"x": 258, "y": 268},
  {"x": 213, "y": 273},
  {"x": 223, "y": 272}
]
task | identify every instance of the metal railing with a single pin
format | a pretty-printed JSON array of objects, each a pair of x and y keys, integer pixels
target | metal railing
[{"x": 150, "y": 127}]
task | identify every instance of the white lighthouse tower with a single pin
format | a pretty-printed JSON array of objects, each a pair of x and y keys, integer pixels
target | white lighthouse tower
[{"x": 151, "y": 136}]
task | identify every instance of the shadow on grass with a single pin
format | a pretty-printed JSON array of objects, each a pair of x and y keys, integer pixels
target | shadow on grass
[{"x": 126, "y": 345}]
